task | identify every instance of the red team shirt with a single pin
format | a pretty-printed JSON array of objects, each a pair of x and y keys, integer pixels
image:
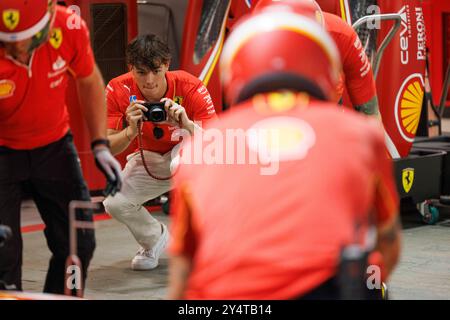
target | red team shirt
[
  {"x": 279, "y": 236},
  {"x": 33, "y": 111},
  {"x": 357, "y": 77},
  {"x": 183, "y": 88}
]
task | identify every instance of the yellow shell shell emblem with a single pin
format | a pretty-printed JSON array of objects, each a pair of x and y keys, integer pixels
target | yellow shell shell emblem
[
  {"x": 409, "y": 107},
  {"x": 7, "y": 88},
  {"x": 407, "y": 179},
  {"x": 281, "y": 138},
  {"x": 11, "y": 18},
  {"x": 56, "y": 38},
  {"x": 279, "y": 102}
]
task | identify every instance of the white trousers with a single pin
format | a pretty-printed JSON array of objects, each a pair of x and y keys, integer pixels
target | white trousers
[{"x": 138, "y": 187}]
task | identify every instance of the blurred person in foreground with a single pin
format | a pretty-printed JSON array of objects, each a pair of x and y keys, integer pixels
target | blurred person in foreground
[{"x": 280, "y": 225}]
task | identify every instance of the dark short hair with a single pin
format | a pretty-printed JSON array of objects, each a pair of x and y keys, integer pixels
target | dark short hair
[{"x": 148, "y": 52}]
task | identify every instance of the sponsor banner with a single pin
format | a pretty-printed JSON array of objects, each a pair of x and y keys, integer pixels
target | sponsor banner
[{"x": 400, "y": 83}]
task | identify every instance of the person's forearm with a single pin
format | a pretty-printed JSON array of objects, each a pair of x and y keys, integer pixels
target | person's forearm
[
  {"x": 120, "y": 141},
  {"x": 179, "y": 270},
  {"x": 192, "y": 127},
  {"x": 92, "y": 100},
  {"x": 389, "y": 247},
  {"x": 370, "y": 108},
  {"x": 391, "y": 254}
]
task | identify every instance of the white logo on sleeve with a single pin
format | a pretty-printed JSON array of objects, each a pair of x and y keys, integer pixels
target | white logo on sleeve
[
  {"x": 207, "y": 98},
  {"x": 59, "y": 64},
  {"x": 59, "y": 67}
]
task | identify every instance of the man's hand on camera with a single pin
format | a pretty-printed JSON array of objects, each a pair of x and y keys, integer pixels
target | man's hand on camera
[
  {"x": 134, "y": 114},
  {"x": 110, "y": 167},
  {"x": 177, "y": 116}
]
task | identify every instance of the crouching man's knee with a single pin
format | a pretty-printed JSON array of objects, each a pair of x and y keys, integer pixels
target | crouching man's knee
[{"x": 119, "y": 206}]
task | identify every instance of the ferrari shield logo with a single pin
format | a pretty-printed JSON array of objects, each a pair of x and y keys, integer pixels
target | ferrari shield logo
[
  {"x": 407, "y": 179},
  {"x": 56, "y": 38},
  {"x": 11, "y": 18},
  {"x": 178, "y": 100}
]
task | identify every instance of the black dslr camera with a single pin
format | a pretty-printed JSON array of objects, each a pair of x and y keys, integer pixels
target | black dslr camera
[{"x": 156, "y": 112}]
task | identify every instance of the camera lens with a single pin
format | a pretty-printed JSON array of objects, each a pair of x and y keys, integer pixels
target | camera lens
[{"x": 157, "y": 114}]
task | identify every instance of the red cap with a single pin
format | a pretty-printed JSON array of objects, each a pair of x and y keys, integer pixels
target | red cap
[{"x": 24, "y": 19}]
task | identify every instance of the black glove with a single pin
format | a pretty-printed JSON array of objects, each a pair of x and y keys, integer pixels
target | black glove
[
  {"x": 5, "y": 234},
  {"x": 110, "y": 167}
]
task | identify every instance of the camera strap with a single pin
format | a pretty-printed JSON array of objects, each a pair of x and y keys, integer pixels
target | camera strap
[{"x": 141, "y": 151}]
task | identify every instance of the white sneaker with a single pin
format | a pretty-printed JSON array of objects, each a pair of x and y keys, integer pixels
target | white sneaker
[{"x": 149, "y": 259}]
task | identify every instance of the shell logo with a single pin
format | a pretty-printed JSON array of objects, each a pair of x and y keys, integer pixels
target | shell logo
[
  {"x": 408, "y": 106},
  {"x": 281, "y": 138},
  {"x": 7, "y": 88},
  {"x": 279, "y": 102}
]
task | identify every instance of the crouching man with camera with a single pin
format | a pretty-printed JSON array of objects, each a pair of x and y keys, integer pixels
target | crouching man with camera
[{"x": 145, "y": 108}]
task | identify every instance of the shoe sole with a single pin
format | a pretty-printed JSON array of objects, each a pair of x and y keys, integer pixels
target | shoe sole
[{"x": 143, "y": 267}]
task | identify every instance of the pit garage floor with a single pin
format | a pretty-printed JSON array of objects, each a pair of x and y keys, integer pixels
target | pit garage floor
[
  {"x": 110, "y": 275},
  {"x": 423, "y": 272}
]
